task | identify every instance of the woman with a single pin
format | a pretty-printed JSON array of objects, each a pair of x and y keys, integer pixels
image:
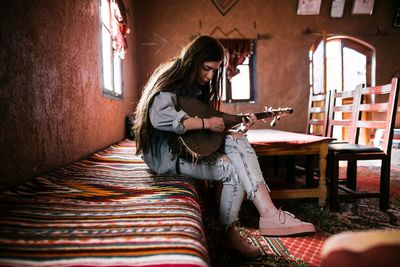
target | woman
[{"x": 196, "y": 73}]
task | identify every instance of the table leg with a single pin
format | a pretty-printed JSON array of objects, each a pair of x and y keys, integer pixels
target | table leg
[
  {"x": 291, "y": 169},
  {"x": 309, "y": 165},
  {"x": 322, "y": 179}
]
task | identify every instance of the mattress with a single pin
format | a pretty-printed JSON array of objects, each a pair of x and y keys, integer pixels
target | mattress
[{"x": 106, "y": 210}]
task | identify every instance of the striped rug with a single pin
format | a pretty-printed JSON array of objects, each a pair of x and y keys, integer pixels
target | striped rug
[
  {"x": 107, "y": 210},
  {"x": 297, "y": 251}
]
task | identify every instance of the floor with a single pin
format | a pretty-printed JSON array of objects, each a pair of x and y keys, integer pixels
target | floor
[
  {"x": 276, "y": 168},
  {"x": 396, "y": 157}
]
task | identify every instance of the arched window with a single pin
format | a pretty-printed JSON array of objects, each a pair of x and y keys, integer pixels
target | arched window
[{"x": 340, "y": 62}]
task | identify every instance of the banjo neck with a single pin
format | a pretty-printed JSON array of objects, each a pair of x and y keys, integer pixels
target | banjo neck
[
  {"x": 200, "y": 143},
  {"x": 232, "y": 120}
]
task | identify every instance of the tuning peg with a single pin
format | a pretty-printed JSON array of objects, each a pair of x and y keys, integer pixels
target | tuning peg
[{"x": 273, "y": 122}]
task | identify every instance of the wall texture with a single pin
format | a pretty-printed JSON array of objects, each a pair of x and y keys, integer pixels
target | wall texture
[
  {"x": 52, "y": 109},
  {"x": 282, "y": 60}
]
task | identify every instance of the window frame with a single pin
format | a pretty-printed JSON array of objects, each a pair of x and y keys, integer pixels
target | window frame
[
  {"x": 115, "y": 74},
  {"x": 252, "y": 82},
  {"x": 365, "y": 49},
  {"x": 346, "y": 41}
]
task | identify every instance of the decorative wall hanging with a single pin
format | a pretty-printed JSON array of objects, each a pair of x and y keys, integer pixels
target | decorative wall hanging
[
  {"x": 155, "y": 40},
  {"x": 235, "y": 34},
  {"x": 337, "y": 8},
  {"x": 308, "y": 7},
  {"x": 363, "y": 7},
  {"x": 224, "y": 6},
  {"x": 234, "y": 31}
]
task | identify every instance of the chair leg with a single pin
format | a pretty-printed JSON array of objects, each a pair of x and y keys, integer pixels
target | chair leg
[
  {"x": 309, "y": 164},
  {"x": 334, "y": 189},
  {"x": 385, "y": 185},
  {"x": 352, "y": 174},
  {"x": 291, "y": 169},
  {"x": 276, "y": 165}
]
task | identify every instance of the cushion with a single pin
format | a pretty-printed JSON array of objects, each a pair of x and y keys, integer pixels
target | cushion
[
  {"x": 351, "y": 148},
  {"x": 378, "y": 248}
]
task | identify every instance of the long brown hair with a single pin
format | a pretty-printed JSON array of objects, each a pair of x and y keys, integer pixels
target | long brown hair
[{"x": 175, "y": 76}]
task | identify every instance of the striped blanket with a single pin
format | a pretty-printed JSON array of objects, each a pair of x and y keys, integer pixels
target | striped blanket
[{"x": 107, "y": 210}]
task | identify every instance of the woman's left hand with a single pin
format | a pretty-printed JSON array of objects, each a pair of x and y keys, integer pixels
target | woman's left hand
[{"x": 251, "y": 119}]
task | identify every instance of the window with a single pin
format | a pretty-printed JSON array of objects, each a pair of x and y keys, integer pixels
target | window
[
  {"x": 240, "y": 87},
  {"x": 111, "y": 58},
  {"x": 342, "y": 63},
  {"x": 238, "y": 74}
]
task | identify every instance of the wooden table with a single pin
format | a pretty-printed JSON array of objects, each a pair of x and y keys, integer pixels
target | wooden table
[{"x": 268, "y": 142}]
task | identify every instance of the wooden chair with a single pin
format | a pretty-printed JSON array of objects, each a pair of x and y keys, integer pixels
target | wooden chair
[
  {"x": 340, "y": 116},
  {"x": 318, "y": 105},
  {"x": 354, "y": 150},
  {"x": 317, "y": 120},
  {"x": 328, "y": 111}
]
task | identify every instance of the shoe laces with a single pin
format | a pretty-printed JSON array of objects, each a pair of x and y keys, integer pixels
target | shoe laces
[{"x": 282, "y": 215}]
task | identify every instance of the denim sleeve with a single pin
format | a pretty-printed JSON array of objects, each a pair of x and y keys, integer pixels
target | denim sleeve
[{"x": 164, "y": 116}]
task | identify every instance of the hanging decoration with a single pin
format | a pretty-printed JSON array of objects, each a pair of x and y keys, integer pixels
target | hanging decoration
[
  {"x": 120, "y": 27},
  {"x": 224, "y": 6}
]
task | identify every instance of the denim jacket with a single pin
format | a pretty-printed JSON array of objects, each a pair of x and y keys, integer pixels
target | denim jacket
[{"x": 166, "y": 121}]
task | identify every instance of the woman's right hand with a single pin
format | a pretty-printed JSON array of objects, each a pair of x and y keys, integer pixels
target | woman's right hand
[{"x": 215, "y": 124}]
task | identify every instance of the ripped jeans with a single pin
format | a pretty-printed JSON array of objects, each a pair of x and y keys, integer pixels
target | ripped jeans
[{"x": 238, "y": 170}]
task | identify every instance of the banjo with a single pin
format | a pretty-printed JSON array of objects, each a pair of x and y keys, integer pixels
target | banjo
[{"x": 201, "y": 143}]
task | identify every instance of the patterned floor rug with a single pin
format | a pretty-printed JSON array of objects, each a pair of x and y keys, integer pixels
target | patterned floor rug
[{"x": 357, "y": 215}]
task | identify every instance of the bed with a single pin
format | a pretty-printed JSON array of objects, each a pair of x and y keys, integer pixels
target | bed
[{"x": 106, "y": 210}]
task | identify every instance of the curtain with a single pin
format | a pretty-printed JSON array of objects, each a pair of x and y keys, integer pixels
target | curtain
[
  {"x": 119, "y": 27},
  {"x": 236, "y": 50}
]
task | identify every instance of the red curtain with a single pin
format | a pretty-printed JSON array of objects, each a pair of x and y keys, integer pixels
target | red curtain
[
  {"x": 237, "y": 50},
  {"x": 120, "y": 27}
]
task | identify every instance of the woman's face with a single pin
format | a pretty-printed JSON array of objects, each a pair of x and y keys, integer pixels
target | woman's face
[{"x": 207, "y": 71}]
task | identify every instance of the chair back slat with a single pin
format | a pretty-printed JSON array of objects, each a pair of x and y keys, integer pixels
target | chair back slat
[
  {"x": 344, "y": 108},
  {"x": 371, "y": 124},
  {"x": 317, "y": 109},
  {"x": 377, "y": 90},
  {"x": 320, "y": 97},
  {"x": 343, "y": 123},
  {"x": 346, "y": 94},
  {"x": 316, "y": 122},
  {"x": 378, "y": 107}
]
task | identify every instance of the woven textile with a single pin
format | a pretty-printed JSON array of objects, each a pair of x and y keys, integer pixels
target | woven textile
[
  {"x": 296, "y": 250},
  {"x": 107, "y": 210},
  {"x": 355, "y": 215}
]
